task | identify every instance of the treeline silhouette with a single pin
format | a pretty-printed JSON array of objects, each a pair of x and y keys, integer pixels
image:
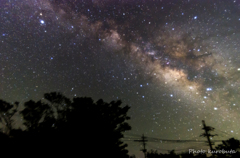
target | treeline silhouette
[
  {"x": 57, "y": 126},
  {"x": 60, "y": 127}
]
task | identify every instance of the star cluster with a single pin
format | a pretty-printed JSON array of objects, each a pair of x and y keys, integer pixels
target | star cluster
[{"x": 174, "y": 62}]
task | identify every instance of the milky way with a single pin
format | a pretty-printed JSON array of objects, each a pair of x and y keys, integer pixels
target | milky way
[{"x": 174, "y": 62}]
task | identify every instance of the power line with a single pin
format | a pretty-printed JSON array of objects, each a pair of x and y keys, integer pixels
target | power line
[
  {"x": 224, "y": 132},
  {"x": 151, "y": 139},
  {"x": 130, "y": 134},
  {"x": 161, "y": 149}
]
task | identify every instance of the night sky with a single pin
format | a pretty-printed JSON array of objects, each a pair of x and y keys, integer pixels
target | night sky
[{"x": 174, "y": 62}]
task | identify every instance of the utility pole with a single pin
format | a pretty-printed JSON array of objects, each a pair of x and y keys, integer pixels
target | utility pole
[
  {"x": 144, "y": 145},
  {"x": 206, "y": 134}
]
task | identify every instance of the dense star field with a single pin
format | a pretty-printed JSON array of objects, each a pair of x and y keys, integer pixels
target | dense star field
[{"x": 174, "y": 62}]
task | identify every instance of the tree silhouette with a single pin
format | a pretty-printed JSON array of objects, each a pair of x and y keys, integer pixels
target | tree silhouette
[
  {"x": 59, "y": 126},
  {"x": 59, "y": 103},
  {"x": 33, "y": 113},
  {"x": 7, "y": 110},
  {"x": 228, "y": 145},
  {"x": 102, "y": 122}
]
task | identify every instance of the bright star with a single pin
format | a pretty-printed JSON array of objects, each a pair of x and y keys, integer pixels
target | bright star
[{"x": 42, "y": 21}]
